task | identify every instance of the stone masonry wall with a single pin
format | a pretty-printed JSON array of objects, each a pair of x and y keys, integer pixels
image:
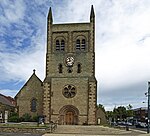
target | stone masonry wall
[
  {"x": 46, "y": 102},
  {"x": 80, "y": 100},
  {"x": 32, "y": 89},
  {"x": 92, "y": 103}
]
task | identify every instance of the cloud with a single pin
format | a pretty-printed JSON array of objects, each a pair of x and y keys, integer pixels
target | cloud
[
  {"x": 122, "y": 59},
  {"x": 12, "y": 11},
  {"x": 11, "y": 93},
  {"x": 19, "y": 66},
  {"x": 120, "y": 66},
  {"x": 132, "y": 94},
  {"x": 22, "y": 41}
]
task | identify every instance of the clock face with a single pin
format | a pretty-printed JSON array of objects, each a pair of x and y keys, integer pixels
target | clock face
[{"x": 69, "y": 61}]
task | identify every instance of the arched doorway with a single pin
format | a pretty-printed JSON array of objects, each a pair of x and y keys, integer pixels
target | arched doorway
[
  {"x": 68, "y": 115},
  {"x": 69, "y": 118}
]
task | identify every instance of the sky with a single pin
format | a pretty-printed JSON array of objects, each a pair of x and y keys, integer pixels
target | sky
[{"x": 122, "y": 45}]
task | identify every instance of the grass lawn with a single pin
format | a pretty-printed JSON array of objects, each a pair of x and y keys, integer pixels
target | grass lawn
[{"x": 22, "y": 125}]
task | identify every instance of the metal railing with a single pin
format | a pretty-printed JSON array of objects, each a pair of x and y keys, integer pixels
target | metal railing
[{"x": 52, "y": 127}]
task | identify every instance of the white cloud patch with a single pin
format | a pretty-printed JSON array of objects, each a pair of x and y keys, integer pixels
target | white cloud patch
[
  {"x": 12, "y": 10},
  {"x": 23, "y": 41},
  {"x": 122, "y": 57},
  {"x": 11, "y": 93},
  {"x": 19, "y": 66}
]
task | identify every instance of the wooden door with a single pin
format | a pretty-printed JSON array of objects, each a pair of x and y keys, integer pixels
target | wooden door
[{"x": 69, "y": 118}]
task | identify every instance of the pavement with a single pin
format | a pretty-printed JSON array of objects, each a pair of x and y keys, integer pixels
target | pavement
[
  {"x": 66, "y": 130},
  {"x": 87, "y": 135},
  {"x": 18, "y": 134}
]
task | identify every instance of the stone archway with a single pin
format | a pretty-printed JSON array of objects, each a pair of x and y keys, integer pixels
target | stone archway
[{"x": 68, "y": 115}]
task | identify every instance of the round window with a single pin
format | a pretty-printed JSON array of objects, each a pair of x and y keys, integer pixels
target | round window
[{"x": 69, "y": 91}]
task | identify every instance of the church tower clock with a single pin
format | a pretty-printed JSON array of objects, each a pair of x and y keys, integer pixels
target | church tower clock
[{"x": 70, "y": 86}]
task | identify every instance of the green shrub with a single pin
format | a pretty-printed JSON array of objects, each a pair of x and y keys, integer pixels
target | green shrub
[
  {"x": 21, "y": 119},
  {"x": 26, "y": 117},
  {"x": 35, "y": 118},
  {"x": 13, "y": 117}
]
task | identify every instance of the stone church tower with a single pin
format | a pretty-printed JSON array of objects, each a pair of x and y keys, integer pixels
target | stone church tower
[{"x": 70, "y": 86}]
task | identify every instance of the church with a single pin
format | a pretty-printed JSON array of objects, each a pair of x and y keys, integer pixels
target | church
[{"x": 68, "y": 94}]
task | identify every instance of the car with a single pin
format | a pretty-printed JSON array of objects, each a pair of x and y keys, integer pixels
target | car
[
  {"x": 129, "y": 123},
  {"x": 124, "y": 123},
  {"x": 114, "y": 124},
  {"x": 119, "y": 123},
  {"x": 140, "y": 125}
]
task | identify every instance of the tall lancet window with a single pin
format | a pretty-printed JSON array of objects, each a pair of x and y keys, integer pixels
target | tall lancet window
[
  {"x": 79, "y": 68},
  {"x": 62, "y": 47},
  {"x": 60, "y": 68},
  {"x": 33, "y": 105},
  {"x": 57, "y": 45},
  {"x": 83, "y": 44},
  {"x": 77, "y": 44}
]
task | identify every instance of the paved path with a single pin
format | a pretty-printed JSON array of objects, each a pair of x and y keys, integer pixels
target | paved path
[
  {"x": 18, "y": 134},
  {"x": 90, "y": 135},
  {"x": 65, "y": 130}
]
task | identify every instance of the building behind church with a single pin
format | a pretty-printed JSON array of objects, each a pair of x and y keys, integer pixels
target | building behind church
[
  {"x": 68, "y": 94},
  {"x": 7, "y": 106}
]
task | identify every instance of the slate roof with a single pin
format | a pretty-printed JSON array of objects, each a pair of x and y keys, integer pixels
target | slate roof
[
  {"x": 5, "y": 101},
  {"x": 32, "y": 76}
]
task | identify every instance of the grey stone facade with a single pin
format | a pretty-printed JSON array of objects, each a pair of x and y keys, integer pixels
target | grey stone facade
[
  {"x": 32, "y": 90},
  {"x": 81, "y": 109}
]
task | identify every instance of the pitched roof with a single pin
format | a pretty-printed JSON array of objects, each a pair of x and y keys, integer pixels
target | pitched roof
[
  {"x": 5, "y": 101},
  {"x": 12, "y": 100},
  {"x": 32, "y": 76}
]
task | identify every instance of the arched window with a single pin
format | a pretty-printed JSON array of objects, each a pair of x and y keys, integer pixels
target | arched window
[
  {"x": 33, "y": 105},
  {"x": 60, "y": 68},
  {"x": 57, "y": 45},
  {"x": 79, "y": 68},
  {"x": 77, "y": 44},
  {"x": 62, "y": 45},
  {"x": 69, "y": 70},
  {"x": 83, "y": 44}
]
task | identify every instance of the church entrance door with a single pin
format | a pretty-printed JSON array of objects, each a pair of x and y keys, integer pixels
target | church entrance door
[
  {"x": 68, "y": 115},
  {"x": 69, "y": 118}
]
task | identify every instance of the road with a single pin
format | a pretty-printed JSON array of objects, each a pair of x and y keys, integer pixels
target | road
[
  {"x": 141, "y": 129},
  {"x": 18, "y": 134},
  {"x": 133, "y": 127}
]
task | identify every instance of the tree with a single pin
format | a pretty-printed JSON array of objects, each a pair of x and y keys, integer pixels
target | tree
[
  {"x": 121, "y": 112},
  {"x": 109, "y": 114},
  {"x": 101, "y": 107},
  {"x": 129, "y": 107},
  {"x": 130, "y": 111}
]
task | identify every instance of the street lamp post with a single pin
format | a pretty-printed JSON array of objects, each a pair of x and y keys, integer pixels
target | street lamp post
[{"x": 148, "y": 106}]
